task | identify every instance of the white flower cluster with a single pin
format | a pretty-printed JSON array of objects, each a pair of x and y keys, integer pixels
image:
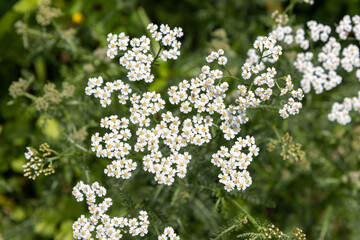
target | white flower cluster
[
  {"x": 265, "y": 50},
  {"x": 167, "y": 133},
  {"x": 311, "y": 2},
  {"x": 231, "y": 160},
  {"x": 37, "y": 164},
  {"x": 94, "y": 87},
  {"x": 267, "y": 47},
  {"x": 33, "y": 168},
  {"x": 113, "y": 145},
  {"x": 329, "y": 55},
  {"x": 284, "y": 34},
  {"x": 104, "y": 226},
  {"x": 340, "y": 111},
  {"x": 318, "y": 31},
  {"x": 351, "y": 58},
  {"x": 222, "y": 60},
  {"x": 345, "y": 27},
  {"x": 138, "y": 59},
  {"x": 292, "y": 107},
  {"x": 162, "y": 142},
  {"x": 204, "y": 95},
  {"x": 324, "y": 76},
  {"x": 300, "y": 39},
  {"x": 169, "y": 234},
  {"x": 142, "y": 107}
]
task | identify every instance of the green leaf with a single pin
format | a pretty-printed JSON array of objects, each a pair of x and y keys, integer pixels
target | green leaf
[
  {"x": 49, "y": 126},
  {"x": 40, "y": 69},
  {"x": 25, "y": 6},
  {"x": 17, "y": 164},
  {"x": 7, "y": 21},
  {"x": 65, "y": 232},
  {"x": 18, "y": 214}
]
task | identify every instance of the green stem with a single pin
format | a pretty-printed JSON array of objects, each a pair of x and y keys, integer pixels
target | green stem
[
  {"x": 227, "y": 70},
  {"x": 71, "y": 43},
  {"x": 38, "y": 33},
  {"x": 30, "y": 96},
  {"x": 261, "y": 56},
  {"x": 276, "y": 132},
  {"x": 266, "y": 56},
  {"x": 78, "y": 146},
  {"x": 236, "y": 79},
  {"x": 55, "y": 152},
  {"x": 251, "y": 219},
  {"x": 325, "y": 222},
  {"x": 290, "y": 7},
  {"x": 225, "y": 231},
  {"x": 53, "y": 158},
  {"x": 217, "y": 135},
  {"x": 156, "y": 229},
  {"x": 157, "y": 193},
  {"x": 71, "y": 154},
  {"x": 158, "y": 53},
  {"x": 277, "y": 85},
  {"x": 251, "y": 85}
]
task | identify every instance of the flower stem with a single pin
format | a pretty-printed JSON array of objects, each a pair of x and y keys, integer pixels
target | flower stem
[
  {"x": 30, "y": 96},
  {"x": 227, "y": 70},
  {"x": 326, "y": 222},
  {"x": 158, "y": 53},
  {"x": 251, "y": 219}
]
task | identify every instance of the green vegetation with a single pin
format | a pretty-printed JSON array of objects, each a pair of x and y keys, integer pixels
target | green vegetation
[{"x": 305, "y": 180}]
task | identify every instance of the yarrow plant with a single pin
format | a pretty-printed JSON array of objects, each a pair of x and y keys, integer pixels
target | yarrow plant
[
  {"x": 102, "y": 224},
  {"x": 40, "y": 161},
  {"x": 230, "y": 177},
  {"x": 320, "y": 71},
  {"x": 203, "y": 98},
  {"x": 204, "y": 103},
  {"x": 160, "y": 130}
]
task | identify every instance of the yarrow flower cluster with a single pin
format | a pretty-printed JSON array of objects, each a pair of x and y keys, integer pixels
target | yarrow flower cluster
[
  {"x": 222, "y": 60},
  {"x": 318, "y": 31},
  {"x": 324, "y": 76},
  {"x": 203, "y": 95},
  {"x": 231, "y": 160},
  {"x": 138, "y": 58},
  {"x": 167, "y": 133},
  {"x": 38, "y": 163},
  {"x": 272, "y": 231},
  {"x": 144, "y": 106},
  {"x": 113, "y": 145},
  {"x": 94, "y": 87},
  {"x": 340, "y": 112},
  {"x": 311, "y": 2},
  {"x": 285, "y": 34},
  {"x": 99, "y": 222},
  {"x": 346, "y": 26},
  {"x": 168, "y": 234},
  {"x": 266, "y": 50},
  {"x": 102, "y": 225},
  {"x": 200, "y": 94},
  {"x": 351, "y": 59}
]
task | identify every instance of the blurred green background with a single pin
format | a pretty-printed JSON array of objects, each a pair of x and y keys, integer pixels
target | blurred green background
[{"x": 322, "y": 198}]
